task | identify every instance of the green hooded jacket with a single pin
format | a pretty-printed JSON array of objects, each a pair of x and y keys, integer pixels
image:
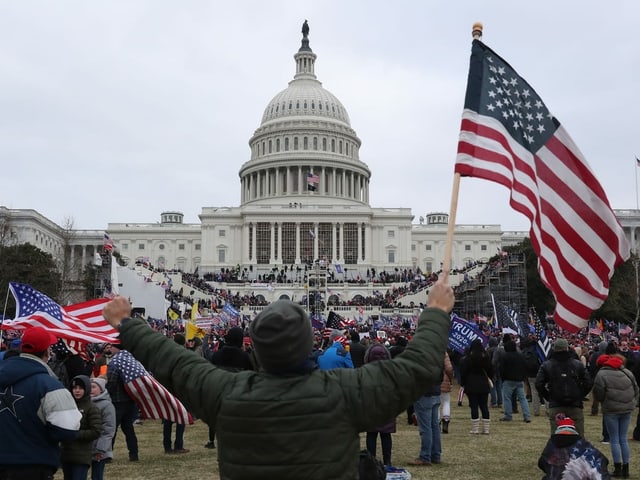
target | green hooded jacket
[{"x": 293, "y": 426}]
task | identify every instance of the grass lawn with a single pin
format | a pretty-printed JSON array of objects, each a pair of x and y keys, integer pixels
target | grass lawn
[{"x": 511, "y": 451}]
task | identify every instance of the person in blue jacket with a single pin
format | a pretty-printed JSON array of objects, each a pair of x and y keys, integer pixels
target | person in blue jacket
[
  {"x": 336, "y": 356},
  {"x": 36, "y": 411}
]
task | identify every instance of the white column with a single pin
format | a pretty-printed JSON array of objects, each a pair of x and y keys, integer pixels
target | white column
[
  {"x": 279, "y": 249},
  {"x": 354, "y": 185},
  {"x": 341, "y": 243},
  {"x": 84, "y": 261},
  {"x": 359, "y": 230},
  {"x": 244, "y": 254}
]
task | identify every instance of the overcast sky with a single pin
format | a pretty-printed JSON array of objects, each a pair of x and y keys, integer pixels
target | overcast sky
[{"x": 115, "y": 111}]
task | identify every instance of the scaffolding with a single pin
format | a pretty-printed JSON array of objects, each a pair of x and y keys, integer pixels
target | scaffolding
[
  {"x": 505, "y": 278},
  {"x": 102, "y": 279},
  {"x": 317, "y": 288}
]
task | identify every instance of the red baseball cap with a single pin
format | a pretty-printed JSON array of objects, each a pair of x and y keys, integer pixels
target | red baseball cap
[{"x": 36, "y": 340}]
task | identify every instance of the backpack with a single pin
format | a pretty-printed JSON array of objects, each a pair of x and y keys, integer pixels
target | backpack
[
  {"x": 370, "y": 467},
  {"x": 564, "y": 385},
  {"x": 531, "y": 362}
]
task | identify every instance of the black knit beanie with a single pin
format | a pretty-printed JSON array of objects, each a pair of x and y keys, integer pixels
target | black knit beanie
[{"x": 282, "y": 336}]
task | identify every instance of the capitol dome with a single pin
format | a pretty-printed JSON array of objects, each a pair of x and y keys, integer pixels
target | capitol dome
[
  {"x": 305, "y": 97},
  {"x": 305, "y": 145}
]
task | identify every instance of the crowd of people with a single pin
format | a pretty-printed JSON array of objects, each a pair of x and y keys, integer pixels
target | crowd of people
[
  {"x": 241, "y": 371},
  {"x": 403, "y": 282}
]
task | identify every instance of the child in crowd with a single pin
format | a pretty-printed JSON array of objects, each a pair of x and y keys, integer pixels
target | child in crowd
[
  {"x": 568, "y": 456},
  {"x": 76, "y": 454},
  {"x": 102, "y": 447}
]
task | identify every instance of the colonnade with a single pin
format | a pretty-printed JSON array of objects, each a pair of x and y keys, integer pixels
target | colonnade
[
  {"x": 299, "y": 242},
  {"x": 290, "y": 180}
]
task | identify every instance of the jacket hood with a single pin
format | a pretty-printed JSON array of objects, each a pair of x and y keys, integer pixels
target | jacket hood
[
  {"x": 16, "y": 369},
  {"x": 612, "y": 361},
  {"x": 562, "y": 355},
  {"x": 85, "y": 382}
]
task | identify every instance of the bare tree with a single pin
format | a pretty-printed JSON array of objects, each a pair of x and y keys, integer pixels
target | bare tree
[
  {"x": 68, "y": 263},
  {"x": 7, "y": 232}
]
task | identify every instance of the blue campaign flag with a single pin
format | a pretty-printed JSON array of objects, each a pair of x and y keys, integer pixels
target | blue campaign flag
[{"x": 462, "y": 333}]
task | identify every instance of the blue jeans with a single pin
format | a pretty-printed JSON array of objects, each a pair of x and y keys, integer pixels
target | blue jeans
[
  {"x": 617, "y": 427},
  {"x": 126, "y": 413},
  {"x": 496, "y": 392},
  {"x": 426, "y": 409},
  {"x": 97, "y": 469},
  {"x": 508, "y": 387}
]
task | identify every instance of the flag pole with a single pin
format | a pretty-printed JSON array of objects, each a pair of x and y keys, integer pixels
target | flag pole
[
  {"x": 635, "y": 170},
  {"x": 476, "y": 32}
]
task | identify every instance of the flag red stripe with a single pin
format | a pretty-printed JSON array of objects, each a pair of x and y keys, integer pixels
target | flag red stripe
[
  {"x": 156, "y": 402},
  {"x": 573, "y": 230}
]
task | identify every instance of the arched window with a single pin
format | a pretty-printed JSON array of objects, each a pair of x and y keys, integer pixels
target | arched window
[
  {"x": 333, "y": 145},
  {"x": 295, "y": 143},
  {"x": 305, "y": 143},
  {"x": 324, "y": 144},
  {"x": 270, "y": 144},
  {"x": 277, "y": 144},
  {"x": 315, "y": 143}
]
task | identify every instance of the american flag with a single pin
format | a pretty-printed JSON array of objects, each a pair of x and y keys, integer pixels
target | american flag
[
  {"x": 506, "y": 317},
  {"x": 544, "y": 343},
  {"x": 154, "y": 400},
  {"x": 312, "y": 181},
  {"x": 346, "y": 323},
  {"x": 108, "y": 244},
  {"x": 79, "y": 323},
  {"x": 509, "y": 136},
  {"x": 334, "y": 320},
  {"x": 626, "y": 330}
]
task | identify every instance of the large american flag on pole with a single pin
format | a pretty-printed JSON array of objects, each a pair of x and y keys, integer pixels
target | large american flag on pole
[
  {"x": 509, "y": 136},
  {"x": 81, "y": 322},
  {"x": 154, "y": 400}
]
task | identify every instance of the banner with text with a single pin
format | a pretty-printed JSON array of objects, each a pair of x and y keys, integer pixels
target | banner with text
[{"x": 462, "y": 333}]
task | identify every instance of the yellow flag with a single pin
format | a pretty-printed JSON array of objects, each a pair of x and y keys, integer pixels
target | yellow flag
[
  {"x": 193, "y": 331},
  {"x": 173, "y": 315},
  {"x": 194, "y": 311}
]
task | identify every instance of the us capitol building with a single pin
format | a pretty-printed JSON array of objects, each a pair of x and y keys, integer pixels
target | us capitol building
[{"x": 304, "y": 201}]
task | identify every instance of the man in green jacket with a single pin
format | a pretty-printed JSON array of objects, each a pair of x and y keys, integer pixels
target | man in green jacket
[{"x": 289, "y": 420}]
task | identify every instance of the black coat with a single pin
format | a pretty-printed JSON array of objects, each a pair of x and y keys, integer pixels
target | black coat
[{"x": 474, "y": 370}]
